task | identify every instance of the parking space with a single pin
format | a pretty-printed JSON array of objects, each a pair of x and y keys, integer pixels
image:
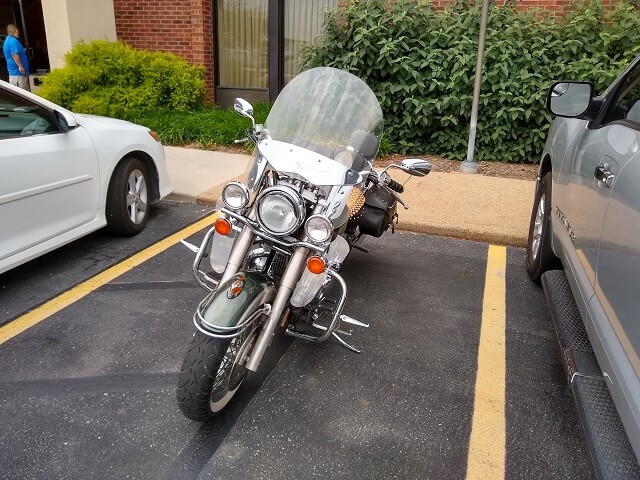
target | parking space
[{"x": 89, "y": 391}]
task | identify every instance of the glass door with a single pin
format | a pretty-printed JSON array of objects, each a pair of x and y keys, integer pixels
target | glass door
[
  {"x": 27, "y": 16},
  {"x": 260, "y": 44},
  {"x": 242, "y": 50}
]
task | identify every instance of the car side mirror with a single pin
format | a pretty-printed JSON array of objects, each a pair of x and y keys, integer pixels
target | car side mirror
[
  {"x": 415, "y": 166},
  {"x": 244, "y": 108},
  {"x": 569, "y": 99},
  {"x": 65, "y": 120}
]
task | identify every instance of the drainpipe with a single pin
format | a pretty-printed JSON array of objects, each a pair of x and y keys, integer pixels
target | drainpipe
[{"x": 470, "y": 165}]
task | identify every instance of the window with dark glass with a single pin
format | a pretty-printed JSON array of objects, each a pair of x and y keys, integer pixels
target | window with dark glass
[{"x": 260, "y": 44}]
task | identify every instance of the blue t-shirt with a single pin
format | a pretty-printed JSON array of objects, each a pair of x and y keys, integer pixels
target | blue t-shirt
[{"x": 12, "y": 45}]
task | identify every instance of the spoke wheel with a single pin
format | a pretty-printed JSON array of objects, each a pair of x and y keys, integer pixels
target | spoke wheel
[
  {"x": 232, "y": 370},
  {"x": 212, "y": 371}
]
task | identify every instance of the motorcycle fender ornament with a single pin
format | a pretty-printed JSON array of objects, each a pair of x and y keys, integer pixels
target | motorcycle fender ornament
[{"x": 236, "y": 287}]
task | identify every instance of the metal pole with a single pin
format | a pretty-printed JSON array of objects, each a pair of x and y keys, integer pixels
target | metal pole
[{"x": 470, "y": 165}]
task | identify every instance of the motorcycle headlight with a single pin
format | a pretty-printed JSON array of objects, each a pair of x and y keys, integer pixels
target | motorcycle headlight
[
  {"x": 280, "y": 210},
  {"x": 235, "y": 195},
  {"x": 318, "y": 228}
]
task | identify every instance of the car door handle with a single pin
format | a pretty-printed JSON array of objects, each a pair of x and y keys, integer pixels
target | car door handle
[{"x": 604, "y": 175}]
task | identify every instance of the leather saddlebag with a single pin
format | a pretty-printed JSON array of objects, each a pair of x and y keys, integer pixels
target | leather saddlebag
[{"x": 379, "y": 211}]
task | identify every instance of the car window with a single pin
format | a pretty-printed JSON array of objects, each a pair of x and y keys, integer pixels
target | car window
[
  {"x": 627, "y": 103},
  {"x": 20, "y": 117}
]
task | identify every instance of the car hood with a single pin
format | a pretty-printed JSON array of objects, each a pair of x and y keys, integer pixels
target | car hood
[{"x": 108, "y": 122}]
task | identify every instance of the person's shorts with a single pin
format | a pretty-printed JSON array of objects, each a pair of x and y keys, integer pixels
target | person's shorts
[{"x": 21, "y": 81}]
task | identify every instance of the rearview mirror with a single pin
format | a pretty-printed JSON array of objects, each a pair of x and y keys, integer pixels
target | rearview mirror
[
  {"x": 415, "y": 166},
  {"x": 244, "y": 108}
]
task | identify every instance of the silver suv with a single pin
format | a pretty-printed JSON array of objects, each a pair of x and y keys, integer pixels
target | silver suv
[{"x": 584, "y": 247}]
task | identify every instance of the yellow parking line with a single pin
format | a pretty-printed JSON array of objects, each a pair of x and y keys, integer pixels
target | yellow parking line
[
  {"x": 74, "y": 294},
  {"x": 486, "y": 458}
]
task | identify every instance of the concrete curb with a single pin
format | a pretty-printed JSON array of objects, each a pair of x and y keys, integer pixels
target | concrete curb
[{"x": 466, "y": 206}]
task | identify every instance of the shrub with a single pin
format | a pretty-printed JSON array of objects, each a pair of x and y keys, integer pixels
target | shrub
[
  {"x": 112, "y": 78},
  {"x": 421, "y": 65}
]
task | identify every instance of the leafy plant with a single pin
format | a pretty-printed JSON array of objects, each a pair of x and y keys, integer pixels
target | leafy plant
[
  {"x": 208, "y": 126},
  {"x": 112, "y": 78},
  {"x": 421, "y": 64}
]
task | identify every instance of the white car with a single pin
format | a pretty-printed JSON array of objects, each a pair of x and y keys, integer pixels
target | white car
[{"x": 64, "y": 175}]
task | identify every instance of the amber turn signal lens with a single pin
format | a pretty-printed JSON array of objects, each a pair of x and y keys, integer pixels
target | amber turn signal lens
[
  {"x": 223, "y": 226},
  {"x": 316, "y": 264}
]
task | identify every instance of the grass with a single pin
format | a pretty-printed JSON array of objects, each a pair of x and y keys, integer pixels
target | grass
[{"x": 207, "y": 126}]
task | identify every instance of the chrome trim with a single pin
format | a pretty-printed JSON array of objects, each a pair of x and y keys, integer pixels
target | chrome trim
[
  {"x": 289, "y": 194},
  {"x": 245, "y": 191},
  {"x": 287, "y": 284},
  {"x": 202, "y": 279},
  {"x": 336, "y": 316},
  {"x": 329, "y": 224},
  {"x": 232, "y": 331},
  {"x": 238, "y": 252},
  {"x": 257, "y": 229}
]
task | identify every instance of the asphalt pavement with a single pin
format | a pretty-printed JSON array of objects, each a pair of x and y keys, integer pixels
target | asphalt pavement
[
  {"x": 453, "y": 204},
  {"x": 90, "y": 391}
]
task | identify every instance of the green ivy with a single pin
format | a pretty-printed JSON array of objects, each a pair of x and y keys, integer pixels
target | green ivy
[
  {"x": 112, "y": 78},
  {"x": 421, "y": 64}
]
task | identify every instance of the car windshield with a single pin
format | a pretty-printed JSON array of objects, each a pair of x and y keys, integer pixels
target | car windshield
[{"x": 324, "y": 121}]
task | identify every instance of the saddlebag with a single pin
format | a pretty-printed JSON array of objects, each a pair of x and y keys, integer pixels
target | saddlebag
[{"x": 379, "y": 212}]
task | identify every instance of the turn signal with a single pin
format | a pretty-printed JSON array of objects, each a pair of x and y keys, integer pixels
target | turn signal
[
  {"x": 223, "y": 226},
  {"x": 316, "y": 264}
]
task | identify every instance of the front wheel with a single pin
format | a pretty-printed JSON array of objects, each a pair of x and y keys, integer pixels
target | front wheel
[
  {"x": 212, "y": 372},
  {"x": 128, "y": 198},
  {"x": 540, "y": 256}
]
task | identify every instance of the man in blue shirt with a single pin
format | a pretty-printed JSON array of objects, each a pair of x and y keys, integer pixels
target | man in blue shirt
[{"x": 16, "y": 57}]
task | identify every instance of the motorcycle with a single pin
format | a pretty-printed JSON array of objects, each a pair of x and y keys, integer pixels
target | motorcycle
[{"x": 279, "y": 241}]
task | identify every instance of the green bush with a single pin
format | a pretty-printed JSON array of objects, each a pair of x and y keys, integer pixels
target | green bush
[
  {"x": 111, "y": 78},
  {"x": 421, "y": 65}
]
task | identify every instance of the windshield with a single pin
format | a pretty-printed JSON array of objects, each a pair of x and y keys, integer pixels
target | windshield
[{"x": 323, "y": 126}]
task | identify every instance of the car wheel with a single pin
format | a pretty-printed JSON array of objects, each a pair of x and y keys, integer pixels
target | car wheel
[
  {"x": 540, "y": 256},
  {"x": 127, "y": 207}
]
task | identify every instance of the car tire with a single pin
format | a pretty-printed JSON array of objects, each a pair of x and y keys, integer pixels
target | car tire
[
  {"x": 128, "y": 198},
  {"x": 540, "y": 256}
]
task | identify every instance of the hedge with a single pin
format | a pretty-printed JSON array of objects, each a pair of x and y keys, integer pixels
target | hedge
[{"x": 421, "y": 64}]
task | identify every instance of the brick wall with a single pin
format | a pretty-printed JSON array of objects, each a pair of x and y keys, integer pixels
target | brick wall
[{"x": 183, "y": 27}]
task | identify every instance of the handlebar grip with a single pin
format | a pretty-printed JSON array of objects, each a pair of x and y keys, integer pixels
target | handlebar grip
[{"x": 395, "y": 186}]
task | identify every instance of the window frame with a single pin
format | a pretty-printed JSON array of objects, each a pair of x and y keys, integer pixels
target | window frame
[{"x": 40, "y": 111}]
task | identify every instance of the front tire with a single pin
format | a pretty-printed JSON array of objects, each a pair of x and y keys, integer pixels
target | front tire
[
  {"x": 540, "y": 256},
  {"x": 128, "y": 198},
  {"x": 212, "y": 371}
]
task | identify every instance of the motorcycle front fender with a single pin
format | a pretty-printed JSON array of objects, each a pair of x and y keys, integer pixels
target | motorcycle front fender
[{"x": 228, "y": 309}]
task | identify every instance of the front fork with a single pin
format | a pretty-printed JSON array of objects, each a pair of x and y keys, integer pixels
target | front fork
[{"x": 285, "y": 288}]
